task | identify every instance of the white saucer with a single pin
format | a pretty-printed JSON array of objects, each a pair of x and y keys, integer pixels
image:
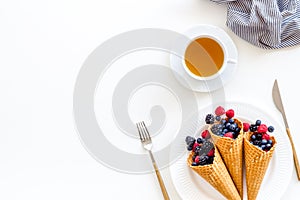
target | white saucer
[{"x": 210, "y": 84}]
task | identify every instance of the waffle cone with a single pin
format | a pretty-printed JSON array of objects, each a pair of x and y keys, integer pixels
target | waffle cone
[
  {"x": 231, "y": 151},
  {"x": 217, "y": 175},
  {"x": 256, "y": 162}
]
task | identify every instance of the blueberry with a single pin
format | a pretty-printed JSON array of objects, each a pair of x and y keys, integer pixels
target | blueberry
[
  {"x": 257, "y": 142},
  {"x": 190, "y": 140},
  {"x": 264, "y": 141},
  {"x": 197, "y": 150},
  {"x": 209, "y": 119},
  {"x": 210, "y": 160},
  {"x": 190, "y": 148},
  {"x": 237, "y": 130},
  {"x": 269, "y": 146},
  {"x": 203, "y": 160},
  {"x": 223, "y": 121},
  {"x": 253, "y": 137},
  {"x": 200, "y": 140},
  {"x": 258, "y": 122},
  {"x": 270, "y": 141},
  {"x": 253, "y": 128},
  {"x": 259, "y": 136},
  {"x": 194, "y": 164},
  {"x": 231, "y": 121},
  {"x": 263, "y": 147},
  {"x": 218, "y": 118},
  {"x": 225, "y": 130},
  {"x": 232, "y": 127},
  {"x": 270, "y": 129},
  {"x": 227, "y": 125}
]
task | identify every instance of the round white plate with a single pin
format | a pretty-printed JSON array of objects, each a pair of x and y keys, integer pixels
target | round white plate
[
  {"x": 190, "y": 185},
  {"x": 176, "y": 61}
]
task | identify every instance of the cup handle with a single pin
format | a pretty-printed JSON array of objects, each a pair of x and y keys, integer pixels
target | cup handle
[{"x": 231, "y": 61}]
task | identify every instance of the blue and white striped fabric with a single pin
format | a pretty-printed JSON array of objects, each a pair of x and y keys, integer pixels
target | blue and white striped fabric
[{"x": 269, "y": 24}]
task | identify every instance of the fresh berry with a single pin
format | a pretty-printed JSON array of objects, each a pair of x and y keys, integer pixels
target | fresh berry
[
  {"x": 253, "y": 137},
  {"x": 258, "y": 122},
  {"x": 210, "y": 160},
  {"x": 264, "y": 141},
  {"x": 195, "y": 145},
  {"x": 259, "y": 136},
  {"x": 266, "y": 136},
  {"x": 218, "y": 118},
  {"x": 189, "y": 140},
  {"x": 220, "y": 111},
  {"x": 189, "y": 148},
  {"x": 246, "y": 126},
  {"x": 268, "y": 146},
  {"x": 262, "y": 128},
  {"x": 197, "y": 159},
  {"x": 200, "y": 140},
  {"x": 270, "y": 129},
  {"x": 253, "y": 128},
  {"x": 231, "y": 121},
  {"x": 205, "y": 134},
  {"x": 203, "y": 160},
  {"x": 228, "y": 134},
  {"x": 209, "y": 119},
  {"x": 194, "y": 164},
  {"x": 230, "y": 113},
  {"x": 211, "y": 152}
]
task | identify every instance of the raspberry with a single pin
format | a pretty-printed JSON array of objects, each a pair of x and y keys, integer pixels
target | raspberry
[
  {"x": 211, "y": 152},
  {"x": 228, "y": 134},
  {"x": 205, "y": 134},
  {"x": 197, "y": 159},
  {"x": 262, "y": 128},
  {"x": 230, "y": 113},
  {"x": 246, "y": 126},
  {"x": 266, "y": 136},
  {"x": 219, "y": 111},
  {"x": 195, "y": 145}
]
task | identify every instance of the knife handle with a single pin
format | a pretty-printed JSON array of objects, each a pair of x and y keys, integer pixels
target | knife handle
[{"x": 294, "y": 153}]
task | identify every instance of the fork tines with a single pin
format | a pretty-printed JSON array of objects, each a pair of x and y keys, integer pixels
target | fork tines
[{"x": 143, "y": 131}]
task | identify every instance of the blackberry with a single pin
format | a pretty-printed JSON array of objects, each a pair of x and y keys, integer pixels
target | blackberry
[{"x": 209, "y": 119}]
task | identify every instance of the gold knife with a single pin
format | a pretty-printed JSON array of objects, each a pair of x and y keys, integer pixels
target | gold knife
[{"x": 278, "y": 103}]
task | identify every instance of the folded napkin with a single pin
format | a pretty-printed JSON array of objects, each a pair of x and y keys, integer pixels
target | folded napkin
[{"x": 269, "y": 24}]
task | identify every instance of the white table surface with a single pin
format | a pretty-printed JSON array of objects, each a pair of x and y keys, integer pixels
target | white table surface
[{"x": 43, "y": 45}]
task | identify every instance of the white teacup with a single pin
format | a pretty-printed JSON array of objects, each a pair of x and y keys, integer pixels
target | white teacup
[
  {"x": 213, "y": 81},
  {"x": 209, "y": 53}
]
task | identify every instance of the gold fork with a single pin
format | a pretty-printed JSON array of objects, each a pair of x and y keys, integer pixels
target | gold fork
[{"x": 147, "y": 144}]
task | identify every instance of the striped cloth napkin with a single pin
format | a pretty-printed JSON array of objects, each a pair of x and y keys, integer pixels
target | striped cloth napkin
[{"x": 269, "y": 24}]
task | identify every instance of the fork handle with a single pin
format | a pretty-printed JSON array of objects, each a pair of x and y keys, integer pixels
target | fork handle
[
  {"x": 160, "y": 180},
  {"x": 294, "y": 154}
]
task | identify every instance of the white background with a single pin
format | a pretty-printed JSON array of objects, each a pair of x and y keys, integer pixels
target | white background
[{"x": 42, "y": 47}]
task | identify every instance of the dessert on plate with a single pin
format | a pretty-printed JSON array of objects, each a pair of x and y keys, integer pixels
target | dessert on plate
[
  {"x": 206, "y": 161},
  {"x": 259, "y": 147},
  {"x": 227, "y": 134}
]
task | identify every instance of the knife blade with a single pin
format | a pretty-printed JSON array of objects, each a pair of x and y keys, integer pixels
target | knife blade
[{"x": 279, "y": 105}]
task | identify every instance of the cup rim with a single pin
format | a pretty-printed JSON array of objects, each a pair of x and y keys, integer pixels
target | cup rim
[{"x": 215, "y": 75}]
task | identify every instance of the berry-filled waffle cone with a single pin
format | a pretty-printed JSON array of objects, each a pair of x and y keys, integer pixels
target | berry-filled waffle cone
[
  {"x": 217, "y": 176},
  {"x": 227, "y": 134},
  {"x": 258, "y": 149}
]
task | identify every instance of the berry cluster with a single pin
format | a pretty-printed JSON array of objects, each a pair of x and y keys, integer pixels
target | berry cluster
[
  {"x": 259, "y": 136},
  {"x": 223, "y": 127},
  {"x": 203, "y": 149}
]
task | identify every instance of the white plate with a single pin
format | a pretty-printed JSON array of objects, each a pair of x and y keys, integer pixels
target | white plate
[
  {"x": 191, "y": 186},
  {"x": 207, "y": 85}
]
